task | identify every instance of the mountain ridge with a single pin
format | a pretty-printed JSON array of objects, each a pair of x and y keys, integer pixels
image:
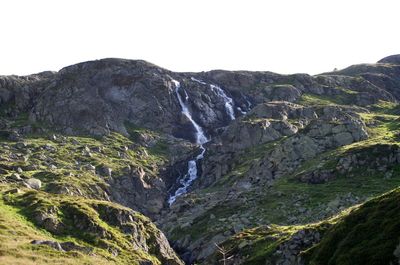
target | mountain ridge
[{"x": 282, "y": 150}]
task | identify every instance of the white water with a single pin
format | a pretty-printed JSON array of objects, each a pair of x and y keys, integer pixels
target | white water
[
  {"x": 200, "y": 136},
  {"x": 241, "y": 111},
  {"x": 201, "y": 139},
  {"x": 228, "y": 100},
  {"x": 198, "y": 81},
  {"x": 221, "y": 93},
  {"x": 189, "y": 177}
]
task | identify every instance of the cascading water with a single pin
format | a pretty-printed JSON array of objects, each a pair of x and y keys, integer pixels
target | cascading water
[
  {"x": 198, "y": 81},
  {"x": 221, "y": 93},
  {"x": 228, "y": 101},
  {"x": 201, "y": 139}
]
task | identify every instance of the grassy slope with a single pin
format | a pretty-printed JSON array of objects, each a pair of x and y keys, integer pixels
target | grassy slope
[
  {"x": 364, "y": 234},
  {"x": 70, "y": 157},
  {"x": 17, "y": 232},
  {"x": 85, "y": 222},
  {"x": 65, "y": 164},
  {"x": 367, "y": 235}
]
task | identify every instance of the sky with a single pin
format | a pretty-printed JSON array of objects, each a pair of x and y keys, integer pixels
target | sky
[{"x": 283, "y": 36}]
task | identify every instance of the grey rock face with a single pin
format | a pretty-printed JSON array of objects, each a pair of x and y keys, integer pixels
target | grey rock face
[
  {"x": 309, "y": 131},
  {"x": 332, "y": 129},
  {"x": 101, "y": 96},
  {"x": 393, "y": 59},
  {"x": 140, "y": 191},
  {"x": 379, "y": 159},
  {"x": 288, "y": 252}
]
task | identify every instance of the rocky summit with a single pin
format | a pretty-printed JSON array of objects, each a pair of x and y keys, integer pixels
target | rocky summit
[{"x": 123, "y": 162}]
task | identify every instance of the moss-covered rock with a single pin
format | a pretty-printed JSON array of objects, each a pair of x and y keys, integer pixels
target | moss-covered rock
[{"x": 104, "y": 226}]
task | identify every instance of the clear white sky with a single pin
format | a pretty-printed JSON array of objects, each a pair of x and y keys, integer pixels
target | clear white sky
[{"x": 284, "y": 36}]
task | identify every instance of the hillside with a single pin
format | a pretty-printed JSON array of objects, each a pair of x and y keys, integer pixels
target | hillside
[{"x": 100, "y": 157}]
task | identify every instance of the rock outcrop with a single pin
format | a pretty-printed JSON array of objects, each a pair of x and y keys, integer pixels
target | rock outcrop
[
  {"x": 309, "y": 132},
  {"x": 100, "y": 96},
  {"x": 111, "y": 224}
]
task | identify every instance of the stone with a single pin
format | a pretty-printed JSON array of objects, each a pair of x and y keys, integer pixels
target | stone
[
  {"x": 13, "y": 191},
  {"x": 16, "y": 177},
  {"x": 71, "y": 246},
  {"x": 89, "y": 167},
  {"x": 34, "y": 183},
  {"x": 105, "y": 171},
  {"x": 49, "y": 147},
  {"x": 68, "y": 174},
  {"x": 97, "y": 149},
  {"x": 51, "y": 244},
  {"x": 64, "y": 190},
  {"x": 343, "y": 138},
  {"x": 14, "y": 136},
  {"x": 21, "y": 145}
]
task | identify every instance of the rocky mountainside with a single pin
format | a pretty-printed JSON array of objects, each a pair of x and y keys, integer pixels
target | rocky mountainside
[{"x": 271, "y": 168}]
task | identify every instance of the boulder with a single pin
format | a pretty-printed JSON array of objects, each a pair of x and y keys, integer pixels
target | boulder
[
  {"x": 51, "y": 244},
  {"x": 34, "y": 183},
  {"x": 15, "y": 176}
]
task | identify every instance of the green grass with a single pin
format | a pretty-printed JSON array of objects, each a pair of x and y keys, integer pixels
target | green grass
[
  {"x": 320, "y": 100},
  {"x": 368, "y": 235},
  {"x": 68, "y": 155},
  {"x": 386, "y": 107},
  {"x": 16, "y": 233},
  {"x": 364, "y": 234},
  {"x": 84, "y": 218},
  {"x": 86, "y": 222},
  {"x": 262, "y": 243}
]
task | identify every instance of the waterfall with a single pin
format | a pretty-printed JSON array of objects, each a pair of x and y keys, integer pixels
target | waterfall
[
  {"x": 241, "y": 111},
  {"x": 248, "y": 104},
  {"x": 189, "y": 177},
  {"x": 221, "y": 94},
  {"x": 201, "y": 139},
  {"x": 228, "y": 100}
]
